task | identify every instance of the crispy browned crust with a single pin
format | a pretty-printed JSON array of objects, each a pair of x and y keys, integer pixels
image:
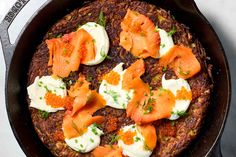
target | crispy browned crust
[{"x": 172, "y": 137}]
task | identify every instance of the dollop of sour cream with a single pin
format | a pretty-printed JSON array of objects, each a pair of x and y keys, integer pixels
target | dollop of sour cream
[
  {"x": 137, "y": 149},
  {"x": 86, "y": 142},
  {"x": 40, "y": 87},
  {"x": 114, "y": 95},
  {"x": 101, "y": 41},
  {"x": 166, "y": 42},
  {"x": 174, "y": 85}
]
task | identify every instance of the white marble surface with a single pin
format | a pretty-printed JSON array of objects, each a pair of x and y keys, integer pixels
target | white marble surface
[{"x": 220, "y": 13}]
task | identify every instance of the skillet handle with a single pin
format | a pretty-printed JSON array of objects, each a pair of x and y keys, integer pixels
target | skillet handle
[{"x": 7, "y": 47}]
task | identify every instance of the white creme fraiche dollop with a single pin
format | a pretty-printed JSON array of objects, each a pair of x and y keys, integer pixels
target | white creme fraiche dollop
[
  {"x": 40, "y": 87},
  {"x": 166, "y": 42},
  {"x": 101, "y": 41},
  {"x": 86, "y": 142},
  {"x": 174, "y": 85},
  {"x": 137, "y": 149},
  {"x": 114, "y": 95}
]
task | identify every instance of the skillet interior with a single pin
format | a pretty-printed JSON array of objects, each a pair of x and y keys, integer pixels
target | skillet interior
[{"x": 16, "y": 84}]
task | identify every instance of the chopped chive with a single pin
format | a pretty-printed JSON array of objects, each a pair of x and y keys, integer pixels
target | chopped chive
[
  {"x": 172, "y": 31},
  {"x": 40, "y": 98},
  {"x": 180, "y": 113},
  {"x": 97, "y": 125},
  {"x": 46, "y": 87},
  {"x": 81, "y": 146},
  {"x": 91, "y": 140},
  {"x": 76, "y": 141},
  {"x": 164, "y": 69},
  {"x": 90, "y": 78},
  {"x": 149, "y": 110},
  {"x": 62, "y": 87},
  {"x": 114, "y": 138},
  {"x": 67, "y": 62},
  {"x": 163, "y": 45},
  {"x": 113, "y": 94},
  {"x": 127, "y": 96},
  {"x": 181, "y": 72},
  {"x": 43, "y": 114},
  {"x": 156, "y": 29},
  {"x": 59, "y": 35},
  {"x": 109, "y": 57},
  {"x": 137, "y": 139},
  {"x": 101, "y": 19}
]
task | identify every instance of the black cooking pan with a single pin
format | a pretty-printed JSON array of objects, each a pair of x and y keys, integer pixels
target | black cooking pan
[{"x": 18, "y": 57}]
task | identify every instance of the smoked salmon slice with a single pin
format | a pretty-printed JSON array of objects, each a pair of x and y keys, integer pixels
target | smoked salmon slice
[
  {"x": 66, "y": 53},
  {"x": 182, "y": 60},
  {"x": 81, "y": 93},
  {"x": 157, "y": 106},
  {"x": 107, "y": 151},
  {"x": 135, "y": 71},
  {"x": 76, "y": 124},
  {"x": 139, "y": 35},
  {"x": 146, "y": 105},
  {"x": 149, "y": 133}
]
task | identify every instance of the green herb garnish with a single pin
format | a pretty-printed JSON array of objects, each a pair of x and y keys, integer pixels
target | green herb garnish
[
  {"x": 156, "y": 29},
  {"x": 149, "y": 110},
  {"x": 114, "y": 139},
  {"x": 181, "y": 72},
  {"x": 94, "y": 130},
  {"x": 113, "y": 94},
  {"x": 97, "y": 125},
  {"x": 163, "y": 45},
  {"x": 101, "y": 19},
  {"x": 91, "y": 140},
  {"x": 127, "y": 96},
  {"x": 90, "y": 78},
  {"x": 164, "y": 69},
  {"x": 137, "y": 139},
  {"x": 59, "y": 35},
  {"x": 180, "y": 113},
  {"x": 172, "y": 31},
  {"x": 44, "y": 114},
  {"x": 46, "y": 87}
]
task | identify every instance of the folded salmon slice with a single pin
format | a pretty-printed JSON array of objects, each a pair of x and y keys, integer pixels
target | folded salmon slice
[
  {"x": 147, "y": 105},
  {"x": 139, "y": 35},
  {"x": 81, "y": 93},
  {"x": 149, "y": 133},
  {"x": 66, "y": 53},
  {"x": 75, "y": 124},
  {"x": 107, "y": 151},
  {"x": 157, "y": 106},
  {"x": 183, "y": 61}
]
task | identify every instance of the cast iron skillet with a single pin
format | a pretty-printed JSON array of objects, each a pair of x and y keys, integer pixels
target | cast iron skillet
[{"x": 18, "y": 57}]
